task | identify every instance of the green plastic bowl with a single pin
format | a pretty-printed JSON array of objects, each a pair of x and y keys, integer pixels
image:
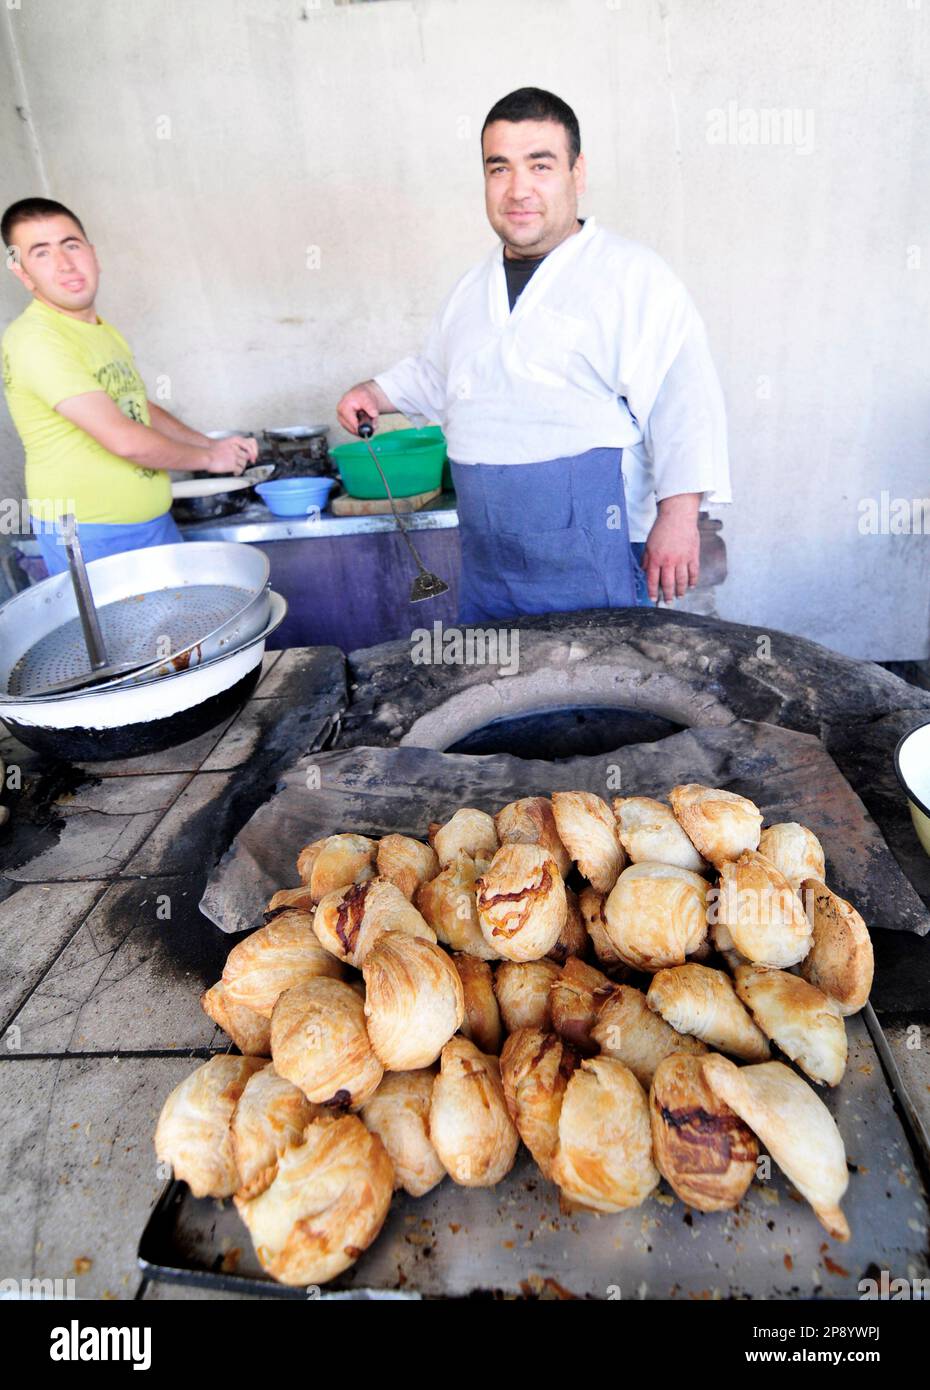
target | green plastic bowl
[{"x": 412, "y": 461}]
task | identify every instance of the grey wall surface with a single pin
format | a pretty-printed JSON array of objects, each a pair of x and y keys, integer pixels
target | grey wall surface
[{"x": 281, "y": 192}]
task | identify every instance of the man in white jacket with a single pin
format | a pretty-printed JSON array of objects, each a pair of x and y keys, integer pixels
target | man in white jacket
[{"x": 568, "y": 359}]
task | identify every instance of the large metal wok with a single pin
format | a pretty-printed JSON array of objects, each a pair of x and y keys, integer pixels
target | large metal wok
[{"x": 202, "y": 611}]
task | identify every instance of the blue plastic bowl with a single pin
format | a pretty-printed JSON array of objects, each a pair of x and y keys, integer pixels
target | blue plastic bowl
[{"x": 295, "y": 496}]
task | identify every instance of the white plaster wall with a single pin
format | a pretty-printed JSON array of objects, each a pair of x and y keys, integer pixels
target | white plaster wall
[{"x": 353, "y": 128}]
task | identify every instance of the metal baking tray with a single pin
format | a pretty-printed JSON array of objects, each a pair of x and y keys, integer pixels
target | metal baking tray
[{"x": 514, "y": 1240}]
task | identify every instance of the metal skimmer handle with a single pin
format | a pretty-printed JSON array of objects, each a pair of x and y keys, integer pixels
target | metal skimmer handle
[{"x": 90, "y": 624}]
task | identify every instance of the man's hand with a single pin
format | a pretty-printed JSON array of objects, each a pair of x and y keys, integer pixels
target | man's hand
[
  {"x": 230, "y": 455},
  {"x": 671, "y": 559},
  {"x": 367, "y": 396}
]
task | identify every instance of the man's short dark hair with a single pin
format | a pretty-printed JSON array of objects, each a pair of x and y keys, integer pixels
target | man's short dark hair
[
  {"x": 33, "y": 210},
  {"x": 535, "y": 104}
]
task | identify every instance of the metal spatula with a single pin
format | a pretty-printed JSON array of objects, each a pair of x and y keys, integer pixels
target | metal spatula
[
  {"x": 426, "y": 585},
  {"x": 101, "y": 669}
]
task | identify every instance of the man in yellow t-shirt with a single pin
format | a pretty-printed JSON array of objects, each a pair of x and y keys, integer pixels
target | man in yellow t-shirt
[{"x": 96, "y": 446}]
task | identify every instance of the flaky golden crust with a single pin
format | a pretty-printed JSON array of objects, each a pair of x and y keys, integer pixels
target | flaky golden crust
[
  {"x": 656, "y": 915},
  {"x": 336, "y": 862},
  {"x": 482, "y": 1015},
  {"x": 522, "y": 989},
  {"x": 587, "y": 828},
  {"x": 530, "y": 821},
  {"x": 840, "y": 960},
  {"x": 573, "y": 938},
  {"x": 626, "y": 1029},
  {"x": 702, "y": 1148},
  {"x": 795, "y": 1127},
  {"x": 349, "y": 922},
  {"x": 275, "y": 958},
  {"x": 414, "y": 1000},
  {"x": 448, "y": 904},
  {"x": 794, "y": 850},
  {"x": 648, "y": 831},
  {"x": 521, "y": 902},
  {"x": 720, "y": 824},
  {"x": 470, "y": 1125},
  {"x": 535, "y": 1067},
  {"x": 398, "y": 1113},
  {"x": 319, "y": 1042},
  {"x": 702, "y": 1002},
  {"x": 271, "y": 1115},
  {"x": 249, "y": 1031},
  {"x": 406, "y": 863},
  {"x": 799, "y": 1017},
  {"x": 604, "y": 1154},
  {"x": 577, "y": 993},
  {"x": 193, "y": 1133},
  {"x": 299, "y": 899},
  {"x": 591, "y": 904},
  {"x": 470, "y": 831},
  {"x": 325, "y": 1205},
  {"x": 762, "y": 912}
]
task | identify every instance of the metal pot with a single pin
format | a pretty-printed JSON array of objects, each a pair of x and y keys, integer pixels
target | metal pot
[{"x": 125, "y": 721}]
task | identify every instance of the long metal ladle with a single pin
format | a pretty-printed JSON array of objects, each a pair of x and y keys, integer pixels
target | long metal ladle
[{"x": 426, "y": 585}]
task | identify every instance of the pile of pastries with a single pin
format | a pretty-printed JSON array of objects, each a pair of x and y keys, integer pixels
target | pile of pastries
[{"x": 604, "y": 984}]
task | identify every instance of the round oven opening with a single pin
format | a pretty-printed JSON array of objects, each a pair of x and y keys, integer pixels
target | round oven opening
[{"x": 555, "y": 733}]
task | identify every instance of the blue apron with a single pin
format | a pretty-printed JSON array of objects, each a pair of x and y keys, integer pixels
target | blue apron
[
  {"x": 548, "y": 537},
  {"x": 99, "y": 539}
]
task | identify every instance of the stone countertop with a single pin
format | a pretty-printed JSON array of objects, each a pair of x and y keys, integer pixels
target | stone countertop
[
  {"x": 104, "y": 952},
  {"x": 103, "y": 957}
]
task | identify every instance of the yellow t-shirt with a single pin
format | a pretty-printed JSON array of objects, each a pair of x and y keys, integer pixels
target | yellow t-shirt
[{"x": 48, "y": 357}]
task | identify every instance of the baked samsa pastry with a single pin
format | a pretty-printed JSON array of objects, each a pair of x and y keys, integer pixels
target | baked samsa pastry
[
  {"x": 522, "y": 989},
  {"x": 648, "y": 831},
  {"x": 530, "y": 821},
  {"x": 588, "y": 830},
  {"x": 626, "y": 1029},
  {"x": 718, "y": 823},
  {"x": 349, "y": 922},
  {"x": 271, "y": 1115},
  {"x": 840, "y": 959},
  {"x": 577, "y": 992},
  {"x": 398, "y": 1113},
  {"x": 336, "y": 862},
  {"x": 604, "y": 1154},
  {"x": 794, "y": 1125},
  {"x": 193, "y": 1133},
  {"x": 521, "y": 902},
  {"x": 482, "y": 1022},
  {"x": 535, "y": 1067},
  {"x": 702, "y": 1148},
  {"x": 414, "y": 1000},
  {"x": 794, "y": 850},
  {"x": 656, "y": 915},
  {"x": 697, "y": 1000},
  {"x": 324, "y": 1206},
  {"x": 406, "y": 863},
  {"x": 251, "y": 1032},
  {"x": 762, "y": 913},
  {"x": 591, "y": 904},
  {"x": 806, "y": 1025},
  {"x": 469, "y": 830},
  {"x": 725, "y": 946},
  {"x": 299, "y": 899},
  {"x": 448, "y": 904},
  {"x": 319, "y": 1042},
  {"x": 573, "y": 938},
  {"x": 276, "y": 958},
  {"x": 469, "y": 1124}
]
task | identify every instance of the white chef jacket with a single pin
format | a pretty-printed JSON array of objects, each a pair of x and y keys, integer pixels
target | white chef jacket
[{"x": 604, "y": 348}]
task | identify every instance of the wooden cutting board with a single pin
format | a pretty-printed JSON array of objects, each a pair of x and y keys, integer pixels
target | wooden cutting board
[{"x": 378, "y": 506}]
